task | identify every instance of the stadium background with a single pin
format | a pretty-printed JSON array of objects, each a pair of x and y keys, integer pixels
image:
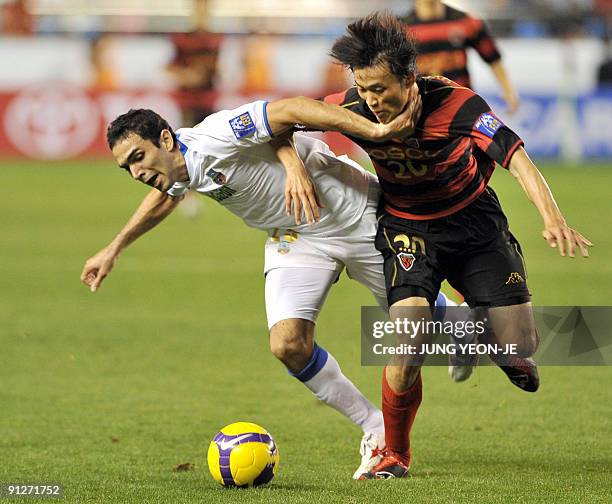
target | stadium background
[{"x": 107, "y": 393}]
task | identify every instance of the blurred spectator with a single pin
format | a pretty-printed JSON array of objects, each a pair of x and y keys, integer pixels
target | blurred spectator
[
  {"x": 15, "y": 18},
  {"x": 444, "y": 35}
]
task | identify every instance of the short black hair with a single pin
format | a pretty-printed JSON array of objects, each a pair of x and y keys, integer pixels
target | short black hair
[
  {"x": 377, "y": 38},
  {"x": 145, "y": 123}
]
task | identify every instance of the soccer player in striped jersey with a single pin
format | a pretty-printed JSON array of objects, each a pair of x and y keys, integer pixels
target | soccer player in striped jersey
[
  {"x": 438, "y": 218},
  {"x": 444, "y": 34}
]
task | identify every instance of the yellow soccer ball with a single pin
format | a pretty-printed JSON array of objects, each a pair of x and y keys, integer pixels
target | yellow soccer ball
[{"x": 243, "y": 454}]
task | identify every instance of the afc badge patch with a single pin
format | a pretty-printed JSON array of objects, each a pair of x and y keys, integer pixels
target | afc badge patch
[
  {"x": 406, "y": 260},
  {"x": 488, "y": 124},
  {"x": 242, "y": 125}
]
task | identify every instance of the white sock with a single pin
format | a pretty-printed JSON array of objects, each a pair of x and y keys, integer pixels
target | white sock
[{"x": 322, "y": 375}]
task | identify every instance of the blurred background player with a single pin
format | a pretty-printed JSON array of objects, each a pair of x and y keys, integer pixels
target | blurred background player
[
  {"x": 16, "y": 18},
  {"x": 194, "y": 67},
  {"x": 444, "y": 35},
  {"x": 194, "y": 73}
]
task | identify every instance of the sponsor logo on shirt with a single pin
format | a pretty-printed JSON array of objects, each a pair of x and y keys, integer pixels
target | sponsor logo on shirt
[
  {"x": 217, "y": 177},
  {"x": 242, "y": 125},
  {"x": 488, "y": 124},
  {"x": 223, "y": 192}
]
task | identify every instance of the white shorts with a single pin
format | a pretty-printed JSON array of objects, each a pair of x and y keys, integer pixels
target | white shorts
[{"x": 300, "y": 269}]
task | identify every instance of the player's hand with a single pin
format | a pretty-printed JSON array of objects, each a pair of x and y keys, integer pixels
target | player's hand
[
  {"x": 560, "y": 235},
  {"x": 300, "y": 193},
  {"x": 405, "y": 123},
  {"x": 98, "y": 267},
  {"x": 512, "y": 101}
]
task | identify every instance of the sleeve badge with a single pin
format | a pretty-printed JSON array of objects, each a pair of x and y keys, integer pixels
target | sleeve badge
[
  {"x": 488, "y": 124},
  {"x": 242, "y": 125}
]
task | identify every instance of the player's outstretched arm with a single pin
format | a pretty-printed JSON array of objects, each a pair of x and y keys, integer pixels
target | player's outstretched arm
[
  {"x": 154, "y": 208},
  {"x": 300, "y": 191},
  {"x": 556, "y": 231},
  {"x": 318, "y": 115},
  {"x": 510, "y": 96}
]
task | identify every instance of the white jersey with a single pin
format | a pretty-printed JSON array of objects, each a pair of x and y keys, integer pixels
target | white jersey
[{"x": 228, "y": 159}]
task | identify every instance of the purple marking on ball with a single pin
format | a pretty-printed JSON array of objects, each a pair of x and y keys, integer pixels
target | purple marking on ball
[{"x": 226, "y": 443}]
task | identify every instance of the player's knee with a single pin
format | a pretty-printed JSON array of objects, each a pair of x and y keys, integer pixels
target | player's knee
[
  {"x": 411, "y": 307},
  {"x": 285, "y": 350},
  {"x": 289, "y": 346}
]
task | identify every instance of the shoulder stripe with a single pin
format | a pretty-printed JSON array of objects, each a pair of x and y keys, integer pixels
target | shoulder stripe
[
  {"x": 429, "y": 91},
  {"x": 265, "y": 116},
  {"x": 336, "y": 98}
]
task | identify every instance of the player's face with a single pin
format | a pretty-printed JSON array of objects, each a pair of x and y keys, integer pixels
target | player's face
[
  {"x": 158, "y": 167},
  {"x": 384, "y": 93}
]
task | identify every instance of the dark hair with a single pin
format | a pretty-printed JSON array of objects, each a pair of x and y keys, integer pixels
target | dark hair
[
  {"x": 145, "y": 123},
  {"x": 377, "y": 38}
]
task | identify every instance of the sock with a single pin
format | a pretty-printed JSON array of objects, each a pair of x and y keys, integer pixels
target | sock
[
  {"x": 322, "y": 375},
  {"x": 399, "y": 411}
]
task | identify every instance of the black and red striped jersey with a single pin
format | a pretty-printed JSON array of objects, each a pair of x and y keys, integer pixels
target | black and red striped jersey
[
  {"x": 442, "y": 43},
  {"x": 448, "y": 161}
]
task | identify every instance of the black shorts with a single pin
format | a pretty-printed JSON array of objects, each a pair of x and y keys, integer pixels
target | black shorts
[{"x": 473, "y": 249}]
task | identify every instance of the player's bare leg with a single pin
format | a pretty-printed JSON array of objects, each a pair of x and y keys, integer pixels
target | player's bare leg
[
  {"x": 515, "y": 324},
  {"x": 292, "y": 341}
]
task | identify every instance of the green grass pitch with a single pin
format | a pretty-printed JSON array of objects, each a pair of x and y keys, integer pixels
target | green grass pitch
[{"x": 107, "y": 393}]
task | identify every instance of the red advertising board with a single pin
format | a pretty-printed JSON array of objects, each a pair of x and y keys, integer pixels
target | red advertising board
[{"x": 59, "y": 121}]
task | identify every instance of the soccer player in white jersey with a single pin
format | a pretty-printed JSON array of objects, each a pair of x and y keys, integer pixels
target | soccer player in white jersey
[{"x": 228, "y": 157}]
